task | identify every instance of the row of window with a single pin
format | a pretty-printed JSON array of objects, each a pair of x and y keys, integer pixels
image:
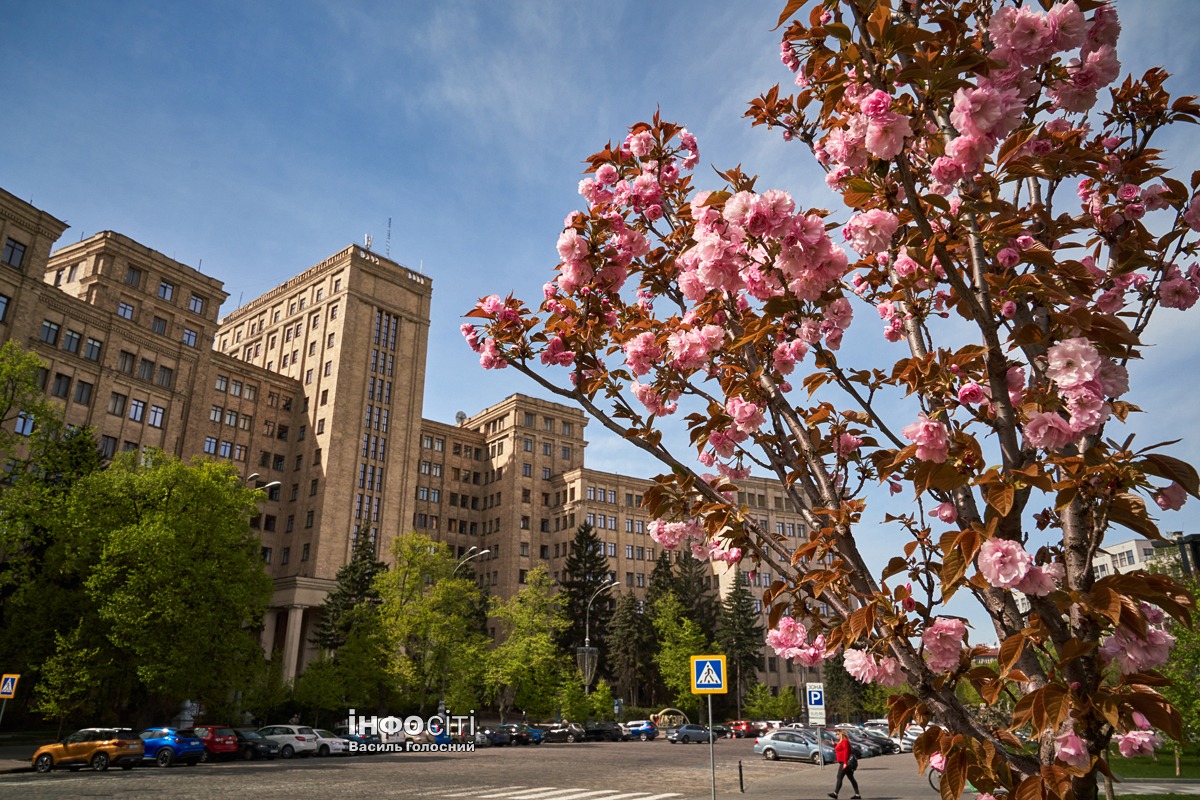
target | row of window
[
  {"x": 567, "y": 428},
  {"x": 547, "y": 449},
  {"x": 248, "y": 390},
  {"x": 386, "y": 327},
  {"x": 374, "y": 447},
  {"x": 230, "y": 417},
  {"x": 224, "y": 448},
  {"x": 527, "y": 472},
  {"x": 370, "y": 477},
  {"x": 146, "y": 370},
  {"x": 297, "y": 304},
  {"x": 166, "y": 290},
  {"x": 158, "y": 325},
  {"x": 118, "y": 403},
  {"x": 71, "y": 341},
  {"x": 284, "y": 554}
]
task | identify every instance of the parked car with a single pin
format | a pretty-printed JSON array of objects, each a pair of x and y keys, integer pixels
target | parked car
[
  {"x": 864, "y": 746},
  {"x": 91, "y": 747},
  {"x": 482, "y": 739},
  {"x": 518, "y": 732},
  {"x": 218, "y": 742},
  {"x": 790, "y": 743},
  {"x": 722, "y": 732},
  {"x": 909, "y": 737},
  {"x": 358, "y": 738},
  {"x": 165, "y": 746},
  {"x": 642, "y": 729},
  {"x": 499, "y": 737},
  {"x": 292, "y": 739},
  {"x": 690, "y": 733},
  {"x": 252, "y": 746},
  {"x": 888, "y": 744},
  {"x": 330, "y": 744},
  {"x": 604, "y": 731},
  {"x": 741, "y": 728},
  {"x": 564, "y": 732}
]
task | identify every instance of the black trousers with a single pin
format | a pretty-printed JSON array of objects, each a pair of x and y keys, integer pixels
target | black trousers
[{"x": 845, "y": 773}]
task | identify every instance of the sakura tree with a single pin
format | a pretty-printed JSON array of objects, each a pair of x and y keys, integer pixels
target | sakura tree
[{"x": 1012, "y": 241}]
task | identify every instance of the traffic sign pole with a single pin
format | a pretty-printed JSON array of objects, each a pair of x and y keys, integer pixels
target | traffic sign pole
[{"x": 712, "y": 749}]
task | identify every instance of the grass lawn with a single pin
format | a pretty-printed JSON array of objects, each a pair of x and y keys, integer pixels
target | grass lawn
[{"x": 1145, "y": 768}]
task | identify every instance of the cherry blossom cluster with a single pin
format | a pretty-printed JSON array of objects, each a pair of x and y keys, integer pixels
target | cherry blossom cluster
[
  {"x": 672, "y": 534},
  {"x": 789, "y": 639},
  {"x": 867, "y": 668},
  {"x": 1132, "y": 652},
  {"x": 1006, "y": 565}
]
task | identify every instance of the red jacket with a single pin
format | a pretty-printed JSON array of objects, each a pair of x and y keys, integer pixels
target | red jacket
[{"x": 843, "y": 751}]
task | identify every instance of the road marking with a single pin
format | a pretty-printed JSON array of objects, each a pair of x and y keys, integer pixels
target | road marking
[
  {"x": 520, "y": 790},
  {"x": 475, "y": 792},
  {"x": 545, "y": 794}
]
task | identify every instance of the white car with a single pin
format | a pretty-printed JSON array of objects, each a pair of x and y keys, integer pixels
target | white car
[
  {"x": 330, "y": 744},
  {"x": 292, "y": 739}
]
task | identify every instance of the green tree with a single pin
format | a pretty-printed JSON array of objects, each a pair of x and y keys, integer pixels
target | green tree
[
  {"x": 740, "y": 634},
  {"x": 428, "y": 615},
  {"x": 760, "y": 703},
  {"x": 631, "y": 651},
  {"x": 526, "y": 669},
  {"x": 693, "y": 588},
  {"x": 574, "y": 705},
  {"x": 679, "y": 638},
  {"x": 586, "y": 570},
  {"x": 662, "y": 580},
  {"x": 1182, "y": 668},
  {"x": 320, "y": 692},
  {"x": 355, "y": 587},
  {"x": 601, "y": 700}
]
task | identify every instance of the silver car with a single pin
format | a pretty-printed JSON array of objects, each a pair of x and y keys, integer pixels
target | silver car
[{"x": 791, "y": 744}]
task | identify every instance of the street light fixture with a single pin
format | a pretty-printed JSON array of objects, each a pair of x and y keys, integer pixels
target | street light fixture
[
  {"x": 587, "y": 655},
  {"x": 468, "y": 557}
]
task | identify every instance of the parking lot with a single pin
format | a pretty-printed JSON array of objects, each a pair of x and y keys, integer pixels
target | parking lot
[{"x": 582, "y": 771}]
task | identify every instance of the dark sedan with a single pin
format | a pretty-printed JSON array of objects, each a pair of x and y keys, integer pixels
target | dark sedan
[
  {"x": 252, "y": 746},
  {"x": 604, "y": 731},
  {"x": 690, "y": 733},
  {"x": 564, "y": 732}
]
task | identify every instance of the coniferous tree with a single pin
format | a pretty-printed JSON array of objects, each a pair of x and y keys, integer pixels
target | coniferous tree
[
  {"x": 355, "y": 587},
  {"x": 662, "y": 580},
  {"x": 631, "y": 649},
  {"x": 693, "y": 588},
  {"x": 586, "y": 569},
  {"x": 740, "y": 635}
]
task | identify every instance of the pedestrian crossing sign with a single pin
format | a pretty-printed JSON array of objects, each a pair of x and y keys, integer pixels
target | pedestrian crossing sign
[
  {"x": 708, "y": 675},
  {"x": 8, "y": 686}
]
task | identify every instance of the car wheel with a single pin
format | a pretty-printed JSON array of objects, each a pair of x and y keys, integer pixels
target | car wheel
[
  {"x": 644, "y": 737},
  {"x": 206, "y": 756},
  {"x": 100, "y": 762},
  {"x": 770, "y": 755},
  {"x": 43, "y": 763},
  {"x": 287, "y": 751},
  {"x": 685, "y": 740},
  {"x": 816, "y": 758},
  {"x": 571, "y": 738},
  {"x": 324, "y": 751},
  {"x": 248, "y": 754},
  {"x": 165, "y": 757}
]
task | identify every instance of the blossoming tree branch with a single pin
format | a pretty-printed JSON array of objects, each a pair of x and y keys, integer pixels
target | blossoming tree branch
[{"x": 1008, "y": 240}]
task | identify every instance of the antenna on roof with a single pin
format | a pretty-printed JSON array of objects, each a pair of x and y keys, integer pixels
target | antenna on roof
[
  {"x": 460, "y": 417},
  {"x": 388, "y": 253},
  {"x": 367, "y": 241},
  {"x": 240, "y": 299}
]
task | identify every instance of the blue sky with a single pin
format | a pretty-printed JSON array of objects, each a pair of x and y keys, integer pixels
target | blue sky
[{"x": 252, "y": 140}]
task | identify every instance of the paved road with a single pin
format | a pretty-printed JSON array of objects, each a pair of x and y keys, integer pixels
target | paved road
[{"x": 593, "y": 771}]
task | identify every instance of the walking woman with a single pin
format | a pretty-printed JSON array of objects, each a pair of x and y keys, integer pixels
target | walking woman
[{"x": 847, "y": 763}]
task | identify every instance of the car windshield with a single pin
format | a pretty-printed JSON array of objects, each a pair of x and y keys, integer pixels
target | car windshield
[
  {"x": 224, "y": 732},
  {"x": 249, "y": 735},
  {"x": 191, "y": 732},
  {"x": 324, "y": 734},
  {"x": 306, "y": 731}
]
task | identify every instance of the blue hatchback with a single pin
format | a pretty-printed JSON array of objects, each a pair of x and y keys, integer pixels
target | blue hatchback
[{"x": 165, "y": 746}]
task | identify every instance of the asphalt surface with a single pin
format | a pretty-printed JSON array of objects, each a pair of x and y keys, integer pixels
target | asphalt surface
[{"x": 591, "y": 771}]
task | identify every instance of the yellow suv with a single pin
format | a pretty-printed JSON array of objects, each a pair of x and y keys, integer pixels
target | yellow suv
[{"x": 91, "y": 747}]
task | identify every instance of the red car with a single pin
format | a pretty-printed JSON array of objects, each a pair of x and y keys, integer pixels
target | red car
[
  {"x": 218, "y": 742},
  {"x": 741, "y": 728}
]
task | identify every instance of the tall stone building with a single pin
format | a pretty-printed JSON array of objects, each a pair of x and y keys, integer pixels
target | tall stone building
[{"x": 314, "y": 392}]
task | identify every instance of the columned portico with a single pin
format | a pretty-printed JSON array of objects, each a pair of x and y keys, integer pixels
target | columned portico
[{"x": 299, "y": 598}]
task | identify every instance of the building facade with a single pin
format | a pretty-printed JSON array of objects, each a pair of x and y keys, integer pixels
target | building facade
[{"x": 313, "y": 391}]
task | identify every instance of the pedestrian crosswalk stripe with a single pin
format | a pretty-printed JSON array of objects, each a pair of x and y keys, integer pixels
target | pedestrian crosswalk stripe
[
  {"x": 569, "y": 794},
  {"x": 551, "y": 793},
  {"x": 547, "y": 794},
  {"x": 484, "y": 790},
  {"x": 521, "y": 790}
]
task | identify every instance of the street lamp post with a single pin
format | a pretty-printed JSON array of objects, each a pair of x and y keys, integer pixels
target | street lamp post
[
  {"x": 586, "y": 656},
  {"x": 472, "y": 553}
]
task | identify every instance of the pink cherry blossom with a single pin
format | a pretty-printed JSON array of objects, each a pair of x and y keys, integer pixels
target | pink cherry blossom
[
  {"x": 490, "y": 356},
  {"x": 1133, "y": 653},
  {"x": 1138, "y": 743},
  {"x": 1048, "y": 430},
  {"x": 861, "y": 665},
  {"x": 875, "y": 104},
  {"x": 1015, "y": 380},
  {"x": 557, "y": 354},
  {"x": 871, "y": 231},
  {"x": 1171, "y": 498},
  {"x": 1003, "y": 562},
  {"x": 937, "y": 761},
  {"x": 1072, "y": 362},
  {"x": 747, "y": 416},
  {"x": 672, "y": 534},
  {"x": 972, "y": 394},
  {"x": 946, "y": 512},
  {"x": 654, "y": 402},
  {"x": 690, "y": 349},
  {"x": 890, "y": 674},
  {"x": 641, "y": 144},
  {"x": 931, "y": 438},
  {"x": 1040, "y": 581},
  {"x": 847, "y": 444},
  {"x": 642, "y": 354},
  {"x": 943, "y": 643},
  {"x": 886, "y": 134},
  {"x": 1072, "y": 750}
]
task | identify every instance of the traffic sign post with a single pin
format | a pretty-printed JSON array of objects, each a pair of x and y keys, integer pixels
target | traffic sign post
[
  {"x": 708, "y": 677},
  {"x": 815, "y": 700},
  {"x": 8, "y": 690}
]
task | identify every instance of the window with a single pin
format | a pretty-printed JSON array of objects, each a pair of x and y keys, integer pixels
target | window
[
  {"x": 108, "y": 446},
  {"x": 155, "y": 420},
  {"x": 125, "y": 362},
  {"x": 133, "y": 276},
  {"x": 124, "y": 310},
  {"x": 545, "y": 473},
  {"x": 83, "y": 392},
  {"x": 528, "y": 444},
  {"x": 612, "y": 549},
  {"x": 71, "y": 341},
  {"x": 328, "y": 368},
  {"x": 308, "y": 518},
  {"x": 49, "y": 333},
  {"x": 91, "y": 351},
  {"x": 166, "y": 290},
  {"x": 14, "y": 253},
  {"x": 159, "y": 325},
  {"x": 166, "y": 376},
  {"x": 226, "y": 451},
  {"x": 116, "y": 403},
  {"x": 567, "y": 429},
  {"x": 629, "y": 551},
  {"x": 308, "y": 376},
  {"x": 196, "y": 304},
  {"x": 189, "y": 337},
  {"x": 24, "y": 424},
  {"x": 146, "y": 370},
  {"x": 329, "y": 342},
  {"x": 321, "y": 425},
  {"x": 137, "y": 409},
  {"x": 266, "y": 555},
  {"x": 304, "y": 553},
  {"x": 61, "y": 386},
  {"x": 287, "y": 551},
  {"x": 547, "y": 448},
  {"x": 210, "y": 445},
  {"x": 4, "y": 306},
  {"x": 333, "y": 311}
]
